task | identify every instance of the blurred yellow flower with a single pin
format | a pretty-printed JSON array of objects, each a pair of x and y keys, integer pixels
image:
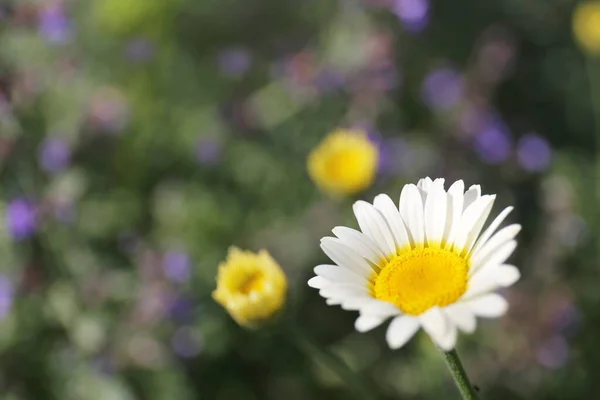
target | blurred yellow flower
[
  {"x": 344, "y": 163},
  {"x": 586, "y": 26},
  {"x": 250, "y": 286}
]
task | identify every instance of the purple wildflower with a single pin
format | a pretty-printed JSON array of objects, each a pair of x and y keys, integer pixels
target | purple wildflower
[
  {"x": 234, "y": 61},
  {"x": 442, "y": 89},
  {"x": 534, "y": 153},
  {"x": 177, "y": 266},
  {"x": 54, "y": 155},
  {"x": 21, "y": 219},
  {"x": 53, "y": 24},
  {"x": 414, "y": 14}
]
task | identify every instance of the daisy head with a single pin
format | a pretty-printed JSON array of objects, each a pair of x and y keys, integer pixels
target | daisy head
[
  {"x": 344, "y": 163},
  {"x": 250, "y": 286},
  {"x": 425, "y": 263}
]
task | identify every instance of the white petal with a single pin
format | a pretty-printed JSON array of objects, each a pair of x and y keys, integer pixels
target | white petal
[
  {"x": 471, "y": 195},
  {"x": 435, "y": 324},
  {"x": 462, "y": 317},
  {"x": 365, "y": 323},
  {"x": 343, "y": 292},
  {"x": 497, "y": 257},
  {"x": 508, "y": 275},
  {"x": 489, "y": 306},
  {"x": 343, "y": 256},
  {"x": 472, "y": 221},
  {"x": 337, "y": 274},
  {"x": 400, "y": 331},
  {"x": 491, "y": 246},
  {"x": 364, "y": 245},
  {"x": 380, "y": 308},
  {"x": 448, "y": 341},
  {"x": 438, "y": 183},
  {"x": 318, "y": 282},
  {"x": 424, "y": 183},
  {"x": 411, "y": 210},
  {"x": 333, "y": 302},
  {"x": 361, "y": 303},
  {"x": 490, "y": 278},
  {"x": 373, "y": 224},
  {"x": 435, "y": 215},
  {"x": 455, "y": 210},
  {"x": 388, "y": 209},
  {"x": 491, "y": 229}
]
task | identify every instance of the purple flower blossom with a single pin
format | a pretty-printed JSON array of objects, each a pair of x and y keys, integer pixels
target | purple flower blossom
[
  {"x": 414, "y": 14},
  {"x": 493, "y": 143},
  {"x": 234, "y": 61},
  {"x": 21, "y": 219},
  {"x": 186, "y": 342},
  {"x": 442, "y": 89},
  {"x": 182, "y": 309},
  {"x": 6, "y": 296},
  {"x": 140, "y": 50},
  {"x": 534, "y": 153},
  {"x": 208, "y": 152},
  {"x": 553, "y": 353},
  {"x": 177, "y": 266},
  {"x": 53, "y": 23},
  {"x": 54, "y": 155}
]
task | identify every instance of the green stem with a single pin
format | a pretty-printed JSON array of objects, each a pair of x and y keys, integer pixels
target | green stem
[
  {"x": 460, "y": 376},
  {"x": 315, "y": 351}
]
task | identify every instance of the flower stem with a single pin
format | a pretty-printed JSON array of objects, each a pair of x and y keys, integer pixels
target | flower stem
[
  {"x": 344, "y": 373},
  {"x": 461, "y": 379}
]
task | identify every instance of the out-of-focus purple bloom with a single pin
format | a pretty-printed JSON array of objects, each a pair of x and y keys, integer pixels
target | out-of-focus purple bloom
[
  {"x": 567, "y": 319},
  {"x": 186, "y": 342},
  {"x": 54, "y": 24},
  {"x": 234, "y": 61},
  {"x": 54, "y": 154},
  {"x": 553, "y": 353},
  {"x": 442, "y": 89},
  {"x": 328, "y": 80},
  {"x": 6, "y": 296},
  {"x": 177, "y": 266},
  {"x": 182, "y": 309},
  {"x": 493, "y": 143},
  {"x": 394, "y": 156},
  {"x": 414, "y": 14},
  {"x": 140, "y": 50},
  {"x": 534, "y": 153},
  {"x": 208, "y": 152},
  {"x": 21, "y": 219}
]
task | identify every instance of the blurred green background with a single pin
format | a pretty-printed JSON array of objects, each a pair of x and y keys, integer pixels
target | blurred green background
[{"x": 139, "y": 139}]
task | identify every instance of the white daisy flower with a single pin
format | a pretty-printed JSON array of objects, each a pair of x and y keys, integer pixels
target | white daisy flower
[{"x": 424, "y": 264}]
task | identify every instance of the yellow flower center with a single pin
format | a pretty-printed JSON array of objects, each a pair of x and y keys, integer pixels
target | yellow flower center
[
  {"x": 344, "y": 163},
  {"x": 422, "y": 278},
  {"x": 254, "y": 282}
]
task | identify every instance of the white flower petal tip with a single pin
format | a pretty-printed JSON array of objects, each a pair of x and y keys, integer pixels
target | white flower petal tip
[
  {"x": 401, "y": 330},
  {"x": 489, "y": 306},
  {"x": 432, "y": 261},
  {"x": 365, "y": 323}
]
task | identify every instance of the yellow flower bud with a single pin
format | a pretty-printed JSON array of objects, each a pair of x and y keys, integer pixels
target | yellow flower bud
[
  {"x": 344, "y": 163},
  {"x": 586, "y": 26},
  {"x": 250, "y": 286}
]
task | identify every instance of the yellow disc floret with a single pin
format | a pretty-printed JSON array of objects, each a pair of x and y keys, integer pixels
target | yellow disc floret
[
  {"x": 586, "y": 26},
  {"x": 344, "y": 163},
  {"x": 250, "y": 286},
  {"x": 421, "y": 278}
]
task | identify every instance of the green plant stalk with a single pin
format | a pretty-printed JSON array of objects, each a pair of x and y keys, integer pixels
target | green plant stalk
[{"x": 461, "y": 379}]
